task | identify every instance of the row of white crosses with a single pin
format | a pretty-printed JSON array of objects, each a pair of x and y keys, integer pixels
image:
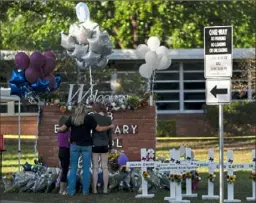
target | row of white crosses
[{"x": 178, "y": 167}]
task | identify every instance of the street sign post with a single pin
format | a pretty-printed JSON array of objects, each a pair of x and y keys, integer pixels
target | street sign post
[{"x": 218, "y": 49}]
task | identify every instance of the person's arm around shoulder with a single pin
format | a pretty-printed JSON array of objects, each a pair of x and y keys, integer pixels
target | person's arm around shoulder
[
  {"x": 94, "y": 125},
  {"x": 66, "y": 126},
  {"x": 109, "y": 132}
]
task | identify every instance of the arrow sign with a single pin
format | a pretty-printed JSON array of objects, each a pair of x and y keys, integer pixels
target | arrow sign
[{"x": 216, "y": 91}]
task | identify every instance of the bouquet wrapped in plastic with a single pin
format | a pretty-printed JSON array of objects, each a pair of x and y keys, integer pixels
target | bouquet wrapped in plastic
[
  {"x": 18, "y": 180},
  {"x": 114, "y": 180},
  {"x": 136, "y": 179}
]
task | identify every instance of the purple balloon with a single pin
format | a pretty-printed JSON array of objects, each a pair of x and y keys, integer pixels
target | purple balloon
[
  {"x": 122, "y": 159},
  {"x": 22, "y": 60},
  {"x": 37, "y": 59},
  {"x": 51, "y": 79},
  {"x": 31, "y": 75},
  {"x": 49, "y": 65},
  {"x": 50, "y": 54}
]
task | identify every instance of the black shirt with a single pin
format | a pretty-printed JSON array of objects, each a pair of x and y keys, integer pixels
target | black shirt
[{"x": 81, "y": 135}]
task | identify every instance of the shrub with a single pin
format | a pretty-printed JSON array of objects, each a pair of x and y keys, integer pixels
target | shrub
[
  {"x": 166, "y": 128},
  {"x": 239, "y": 117}
]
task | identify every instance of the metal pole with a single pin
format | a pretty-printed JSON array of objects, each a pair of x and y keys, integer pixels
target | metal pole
[
  {"x": 19, "y": 147},
  {"x": 221, "y": 152}
]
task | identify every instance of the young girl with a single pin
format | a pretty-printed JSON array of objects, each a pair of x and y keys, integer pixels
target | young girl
[{"x": 64, "y": 155}]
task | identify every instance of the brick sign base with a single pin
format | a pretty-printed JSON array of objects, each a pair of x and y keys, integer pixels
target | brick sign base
[{"x": 125, "y": 138}]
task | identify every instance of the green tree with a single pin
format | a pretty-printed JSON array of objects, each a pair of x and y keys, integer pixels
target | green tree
[{"x": 34, "y": 25}]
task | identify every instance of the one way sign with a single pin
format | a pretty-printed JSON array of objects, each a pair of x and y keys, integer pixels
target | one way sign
[{"x": 218, "y": 91}]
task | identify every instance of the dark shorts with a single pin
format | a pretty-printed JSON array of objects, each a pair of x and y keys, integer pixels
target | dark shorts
[{"x": 102, "y": 149}]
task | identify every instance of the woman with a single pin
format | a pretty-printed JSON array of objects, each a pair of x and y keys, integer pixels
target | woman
[
  {"x": 64, "y": 155},
  {"x": 81, "y": 125},
  {"x": 102, "y": 144}
]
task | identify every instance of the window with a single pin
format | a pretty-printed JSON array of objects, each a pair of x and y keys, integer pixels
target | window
[
  {"x": 194, "y": 85},
  {"x": 193, "y": 76},
  {"x": 168, "y": 106},
  {"x": 193, "y": 105},
  {"x": 194, "y": 66},
  {"x": 167, "y": 76},
  {"x": 194, "y": 96},
  {"x": 29, "y": 108},
  {"x": 3, "y": 108},
  {"x": 168, "y": 96},
  {"x": 166, "y": 86}
]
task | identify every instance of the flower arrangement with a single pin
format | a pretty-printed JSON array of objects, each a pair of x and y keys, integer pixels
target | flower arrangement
[
  {"x": 231, "y": 179},
  {"x": 113, "y": 160},
  {"x": 211, "y": 177},
  {"x": 175, "y": 178},
  {"x": 253, "y": 176},
  {"x": 187, "y": 175},
  {"x": 114, "y": 103},
  {"x": 145, "y": 175},
  {"x": 171, "y": 177}
]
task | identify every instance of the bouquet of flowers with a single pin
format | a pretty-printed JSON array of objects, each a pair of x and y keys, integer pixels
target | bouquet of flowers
[
  {"x": 231, "y": 179},
  {"x": 211, "y": 177},
  {"x": 195, "y": 179},
  {"x": 113, "y": 161}
]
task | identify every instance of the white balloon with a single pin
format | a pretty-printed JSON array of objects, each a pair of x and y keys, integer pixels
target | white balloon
[
  {"x": 153, "y": 43},
  {"x": 145, "y": 71},
  {"x": 82, "y": 12},
  {"x": 165, "y": 62},
  {"x": 162, "y": 50},
  {"x": 152, "y": 59},
  {"x": 141, "y": 50}
]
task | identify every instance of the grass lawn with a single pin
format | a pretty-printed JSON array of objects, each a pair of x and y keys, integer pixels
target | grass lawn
[{"x": 242, "y": 153}]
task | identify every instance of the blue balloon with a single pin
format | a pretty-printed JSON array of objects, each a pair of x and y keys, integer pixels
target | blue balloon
[
  {"x": 17, "y": 90},
  {"x": 18, "y": 77},
  {"x": 40, "y": 85},
  {"x": 122, "y": 159},
  {"x": 58, "y": 81}
]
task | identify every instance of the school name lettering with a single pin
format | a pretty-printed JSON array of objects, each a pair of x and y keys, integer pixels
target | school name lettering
[{"x": 119, "y": 129}]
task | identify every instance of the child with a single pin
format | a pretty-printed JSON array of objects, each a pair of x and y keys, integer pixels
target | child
[{"x": 64, "y": 155}]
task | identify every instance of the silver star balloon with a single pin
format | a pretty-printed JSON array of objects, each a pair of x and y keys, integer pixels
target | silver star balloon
[{"x": 67, "y": 41}]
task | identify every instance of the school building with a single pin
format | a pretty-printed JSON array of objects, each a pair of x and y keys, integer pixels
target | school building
[{"x": 180, "y": 89}]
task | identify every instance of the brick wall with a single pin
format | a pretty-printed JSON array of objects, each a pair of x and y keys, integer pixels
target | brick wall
[
  {"x": 131, "y": 143},
  {"x": 9, "y": 125}
]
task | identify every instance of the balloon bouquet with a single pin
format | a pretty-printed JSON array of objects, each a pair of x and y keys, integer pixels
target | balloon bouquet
[
  {"x": 156, "y": 57},
  {"x": 33, "y": 75},
  {"x": 86, "y": 43}
]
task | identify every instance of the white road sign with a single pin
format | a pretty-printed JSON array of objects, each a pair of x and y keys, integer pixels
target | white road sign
[
  {"x": 218, "y": 65},
  {"x": 218, "y": 47},
  {"x": 218, "y": 91}
]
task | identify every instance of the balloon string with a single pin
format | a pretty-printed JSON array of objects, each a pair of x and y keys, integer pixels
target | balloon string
[
  {"x": 91, "y": 82},
  {"x": 38, "y": 121},
  {"x": 153, "y": 82}
]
